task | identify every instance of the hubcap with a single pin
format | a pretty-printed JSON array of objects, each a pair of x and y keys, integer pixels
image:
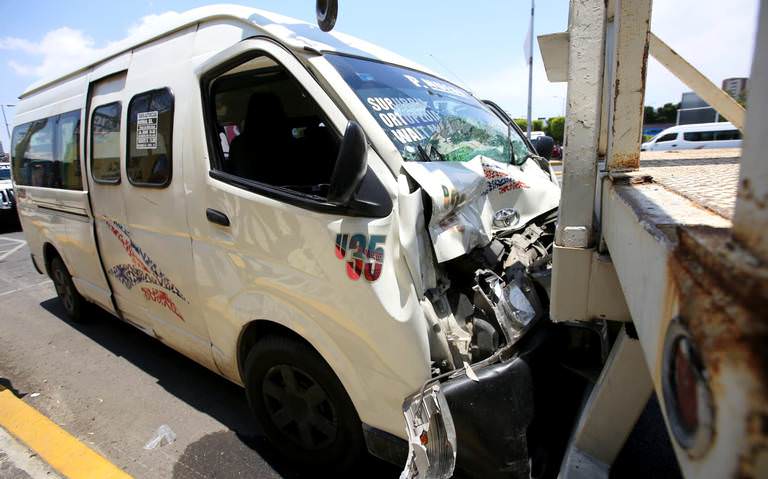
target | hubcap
[
  {"x": 299, "y": 407},
  {"x": 63, "y": 290}
]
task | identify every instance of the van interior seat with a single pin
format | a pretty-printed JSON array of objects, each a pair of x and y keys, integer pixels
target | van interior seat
[{"x": 258, "y": 151}]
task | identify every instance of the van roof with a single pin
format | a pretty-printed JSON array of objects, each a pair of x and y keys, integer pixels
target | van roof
[
  {"x": 292, "y": 32},
  {"x": 701, "y": 127}
]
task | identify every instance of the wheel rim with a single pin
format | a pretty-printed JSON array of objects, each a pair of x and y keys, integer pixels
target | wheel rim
[
  {"x": 299, "y": 407},
  {"x": 63, "y": 289}
]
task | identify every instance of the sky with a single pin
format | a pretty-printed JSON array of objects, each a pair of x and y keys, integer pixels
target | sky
[{"x": 477, "y": 44}]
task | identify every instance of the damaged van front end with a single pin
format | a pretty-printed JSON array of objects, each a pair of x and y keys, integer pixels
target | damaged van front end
[
  {"x": 483, "y": 263},
  {"x": 476, "y": 209}
]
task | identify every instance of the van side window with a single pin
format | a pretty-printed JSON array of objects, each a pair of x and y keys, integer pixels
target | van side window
[
  {"x": 150, "y": 138},
  {"x": 105, "y": 143},
  {"x": 712, "y": 135},
  {"x": 269, "y": 130},
  {"x": 667, "y": 137},
  {"x": 728, "y": 135},
  {"x": 46, "y": 152},
  {"x": 68, "y": 150}
]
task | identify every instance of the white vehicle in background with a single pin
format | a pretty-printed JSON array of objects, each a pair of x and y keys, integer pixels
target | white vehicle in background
[
  {"x": 7, "y": 199},
  {"x": 695, "y": 137},
  {"x": 335, "y": 228}
]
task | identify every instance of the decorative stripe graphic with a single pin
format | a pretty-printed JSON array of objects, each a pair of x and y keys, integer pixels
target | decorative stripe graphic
[
  {"x": 143, "y": 269},
  {"x": 500, "y": 180}
]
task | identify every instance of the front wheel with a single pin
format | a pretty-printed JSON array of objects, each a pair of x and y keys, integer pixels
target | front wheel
[
  {"x": 71, "y": 300},
  {"x": 302, "y": 406}
]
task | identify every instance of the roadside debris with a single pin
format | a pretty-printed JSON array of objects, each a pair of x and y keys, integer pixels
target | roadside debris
[{"x": 163, "y": 436}]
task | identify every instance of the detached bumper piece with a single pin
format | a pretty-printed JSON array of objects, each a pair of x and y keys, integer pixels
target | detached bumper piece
[
  {"x": 477, "y": 426},
  {"x": 431, "y": 436},
  {"x": 491, "y": 417}
]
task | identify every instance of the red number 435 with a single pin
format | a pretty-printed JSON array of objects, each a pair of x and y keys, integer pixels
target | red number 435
[{"x": 366, "y": 254}]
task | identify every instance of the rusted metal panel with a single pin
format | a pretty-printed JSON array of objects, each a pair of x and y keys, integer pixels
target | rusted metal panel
[
  {"x": 630, "y": 57},
  {"x": 688, "y": 74},
  {"x": 722, "y": 291},
  {"x": 678, "y": 263},
  {"x": 750, "y": 221}
]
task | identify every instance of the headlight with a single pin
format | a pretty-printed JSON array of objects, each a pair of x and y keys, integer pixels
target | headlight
[
  {"x": 510, "y": 305},
  {"x": 431, "y": 436}
]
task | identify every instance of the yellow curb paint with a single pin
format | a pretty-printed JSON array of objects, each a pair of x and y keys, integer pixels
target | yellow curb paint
[{"x": 58, "y": 448}]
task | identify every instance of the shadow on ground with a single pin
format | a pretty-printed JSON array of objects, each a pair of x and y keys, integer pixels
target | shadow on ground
[
  {"x": 242, "y": 449},
  {"x": 9, "y": 222},
  {"x": 6, "y": 384}
]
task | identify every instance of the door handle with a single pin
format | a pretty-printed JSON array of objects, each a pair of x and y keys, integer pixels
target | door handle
[{"x": 216, "y": 216}]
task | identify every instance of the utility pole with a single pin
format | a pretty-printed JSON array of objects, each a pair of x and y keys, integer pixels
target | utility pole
[
  {"x": 530, "y": 69},
  {"x": 7, "y": 130}
]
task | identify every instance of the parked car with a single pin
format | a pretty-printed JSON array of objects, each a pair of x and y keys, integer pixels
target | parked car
[
  {"x": 7, "y": 199},
  {"x": 557, "y": 152},
  {"x": 695, "y": 136}
]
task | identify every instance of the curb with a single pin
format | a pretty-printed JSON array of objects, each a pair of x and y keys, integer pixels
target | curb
[{"x": 62, "y": 451}]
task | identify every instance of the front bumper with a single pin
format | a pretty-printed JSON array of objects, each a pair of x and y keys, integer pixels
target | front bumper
[
  {"x": 7, "y": 199},
  {"x": 480, "y": 423}
]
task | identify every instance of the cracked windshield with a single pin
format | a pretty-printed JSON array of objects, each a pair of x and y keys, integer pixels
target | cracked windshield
[{"x": 429, "y": 119}]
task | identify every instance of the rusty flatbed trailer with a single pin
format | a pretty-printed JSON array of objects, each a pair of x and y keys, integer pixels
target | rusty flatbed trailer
[{"x": 672, "y": 244}]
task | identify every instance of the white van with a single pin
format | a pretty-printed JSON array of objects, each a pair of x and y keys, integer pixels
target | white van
[
  {"x": 695, "y": 137},
  {"x": 345, "y": 234}
]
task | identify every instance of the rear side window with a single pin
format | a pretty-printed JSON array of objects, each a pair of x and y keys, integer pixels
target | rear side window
[
  {"x": 667, "y": 137},
  {"x": 46, "y": 152},
  {"x": 712, "y": 135},
  {"x": 105, "y": 143},
  {"x": 728, "y": 135},
  {"x": 67, "y": 151},
  {"x": 150, "y": 132}
]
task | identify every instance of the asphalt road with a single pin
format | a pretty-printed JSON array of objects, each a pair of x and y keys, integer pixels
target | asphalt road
[{"x": 112, "y": 387}]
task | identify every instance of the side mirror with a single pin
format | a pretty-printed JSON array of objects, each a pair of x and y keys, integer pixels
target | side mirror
[
  {"x": 327, "y": 10},
  {"x": 351, "y": 165},
  {"x": 544, "y": 146}
]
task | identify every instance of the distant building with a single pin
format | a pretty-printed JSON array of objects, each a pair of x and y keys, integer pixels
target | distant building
[
  {"x": 695, "y": 110},
  {"x": 736, "y": 87}
]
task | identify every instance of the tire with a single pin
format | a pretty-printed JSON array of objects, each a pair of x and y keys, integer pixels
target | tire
[
  {"x": 74, "y": 304},
  {"x": 302, "y": 406}
]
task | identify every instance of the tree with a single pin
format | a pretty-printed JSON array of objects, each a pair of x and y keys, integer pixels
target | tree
[
  {"x": 556, "y": 129},
  {"x": 667, "y": 113},
  {"x": 649, "y": 114},
  {"x": 662, "y": 114},
  {"x": 538, "y": 125}
]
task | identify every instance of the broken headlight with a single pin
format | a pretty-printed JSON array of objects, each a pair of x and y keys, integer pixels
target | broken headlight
[
  {"x": 431, "y": 436},
  {"x": 511, "y": 307}
]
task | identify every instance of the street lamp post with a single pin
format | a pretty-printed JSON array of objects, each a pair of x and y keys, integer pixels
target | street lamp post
[{"x": 5, "y": 120}]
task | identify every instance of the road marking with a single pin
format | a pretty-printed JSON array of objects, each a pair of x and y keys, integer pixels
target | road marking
[
  {"x": 54, "y": 445},
  {"x": 7, "y": 253},
  {"x": 4, "y": 293}
]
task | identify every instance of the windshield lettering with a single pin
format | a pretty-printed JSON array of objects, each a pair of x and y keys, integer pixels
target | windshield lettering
[{"x": 429, "y": 119}]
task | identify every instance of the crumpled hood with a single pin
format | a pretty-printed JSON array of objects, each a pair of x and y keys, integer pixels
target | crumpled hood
[{"x": 466, "y": 195}]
